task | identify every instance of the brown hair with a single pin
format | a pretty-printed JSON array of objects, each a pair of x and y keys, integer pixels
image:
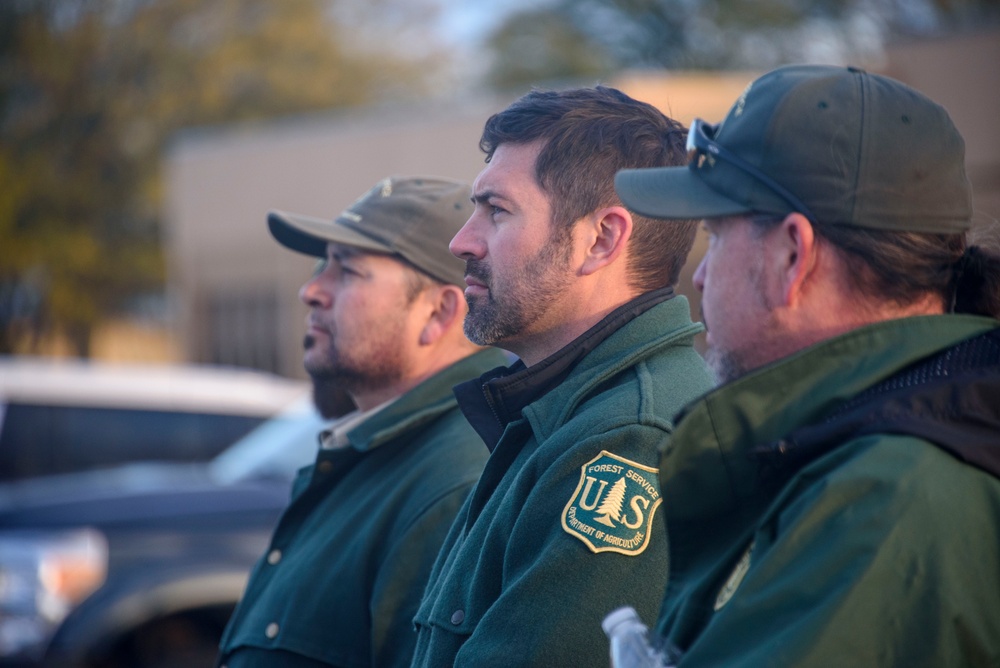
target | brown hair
[
  {"x": 904, "y": 267},
  {"x": 590, "y": 134}
]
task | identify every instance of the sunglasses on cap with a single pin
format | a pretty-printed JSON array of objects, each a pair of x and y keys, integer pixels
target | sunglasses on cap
[{"x": 700, "y": 143}]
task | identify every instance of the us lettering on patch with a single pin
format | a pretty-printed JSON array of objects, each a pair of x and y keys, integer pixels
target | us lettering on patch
[{"x": 613, "y": 506}]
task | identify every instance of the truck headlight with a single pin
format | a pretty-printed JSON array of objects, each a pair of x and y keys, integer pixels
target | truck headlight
[{"x": 43, "y": 576}]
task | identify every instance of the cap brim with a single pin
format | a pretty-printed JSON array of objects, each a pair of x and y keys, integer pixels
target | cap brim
[
  {"x": 673, "y": 193},
  {"x": 310, "y": 235}
]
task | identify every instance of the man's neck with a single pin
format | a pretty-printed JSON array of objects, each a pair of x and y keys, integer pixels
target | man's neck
[
  {"x": 429, "y": 365},
  {"x": 532, "y": 348},
  {"x": 840, "y": 315},
  {"x": 493, "y": 400}
]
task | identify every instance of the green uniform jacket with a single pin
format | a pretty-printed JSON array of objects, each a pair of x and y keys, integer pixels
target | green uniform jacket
[
  {"x": 882, "y": 551},
  {"x": 559, "y": 530},
  {"x": 349, "y": 558}
]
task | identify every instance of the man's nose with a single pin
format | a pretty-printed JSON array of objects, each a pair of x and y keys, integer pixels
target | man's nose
[
  {"x": 313, "y": 294},
  {"x": 466, "y": 244}
]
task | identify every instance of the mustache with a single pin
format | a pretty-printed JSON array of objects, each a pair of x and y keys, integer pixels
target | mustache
[
  {"x": 309, "y": 341},
  {"x": 478, "y": 270}
]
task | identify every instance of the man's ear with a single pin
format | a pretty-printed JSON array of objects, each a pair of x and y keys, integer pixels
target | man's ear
[
  {"x": 447, "y": 305},
  {"x": 795, "y": 254},
  {"x": 606, "y": 233}
]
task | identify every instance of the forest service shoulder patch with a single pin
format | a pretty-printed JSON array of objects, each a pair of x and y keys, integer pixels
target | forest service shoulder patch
[{"x": 613, "y": 506}]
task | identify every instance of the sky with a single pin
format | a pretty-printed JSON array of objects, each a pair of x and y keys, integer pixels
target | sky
[{"x": 467, "y": 21}]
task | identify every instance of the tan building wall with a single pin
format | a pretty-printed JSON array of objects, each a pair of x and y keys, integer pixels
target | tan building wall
[
  {"x": 963, "y": 75},
  {"x": 235, "y": 289}
]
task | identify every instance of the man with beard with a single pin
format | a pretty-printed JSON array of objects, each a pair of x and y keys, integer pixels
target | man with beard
[
  {"x": 560, "y": 527},
  {"x": 836, "y": 501},
  {"x": 342, "y": 576}
]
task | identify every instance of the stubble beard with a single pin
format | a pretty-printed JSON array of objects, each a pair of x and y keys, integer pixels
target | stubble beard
[
  {"x": 725, "y": 365},
  {"x": 348, "y": 374},
  {"x": 731, "y": 364},
  {"x": 496, "y": 318}
]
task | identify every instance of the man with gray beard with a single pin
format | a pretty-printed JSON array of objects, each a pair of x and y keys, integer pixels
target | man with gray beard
[{"x": 836, "y": 501}]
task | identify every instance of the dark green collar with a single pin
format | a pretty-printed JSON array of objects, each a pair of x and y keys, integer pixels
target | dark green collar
[
  {"x": 498, "y": 397},
  {"x": 423, "y": 403},
  {"x": 708, "y": 458}
]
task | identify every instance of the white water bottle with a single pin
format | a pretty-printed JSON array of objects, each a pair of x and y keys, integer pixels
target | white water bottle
[{"x": 630, "y": 647}]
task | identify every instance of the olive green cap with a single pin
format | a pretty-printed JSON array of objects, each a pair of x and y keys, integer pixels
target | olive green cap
[
  {"x": 412, "y": 217},
  {"x": 854, "y": 148}
]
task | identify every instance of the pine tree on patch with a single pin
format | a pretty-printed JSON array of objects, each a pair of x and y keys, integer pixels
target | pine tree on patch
[{"x": 611, "y": 507}]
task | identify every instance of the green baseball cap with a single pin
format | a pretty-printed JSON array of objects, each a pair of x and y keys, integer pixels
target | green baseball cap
[
  {"x": 837, "y": 144},
  {"x": 412, "y": 217}
]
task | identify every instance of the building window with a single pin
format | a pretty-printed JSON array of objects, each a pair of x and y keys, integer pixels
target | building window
[{"x": 243, "y": 330}]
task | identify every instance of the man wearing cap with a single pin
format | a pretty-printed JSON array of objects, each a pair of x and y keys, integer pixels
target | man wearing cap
[
  {"x": 562, "y": 525},
  {"x": 836, "y": 501},
  {"x": 342, "y": 576}
]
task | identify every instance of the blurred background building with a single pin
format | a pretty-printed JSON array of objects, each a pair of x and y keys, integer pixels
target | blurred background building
[{"x": 235, "y": 289}]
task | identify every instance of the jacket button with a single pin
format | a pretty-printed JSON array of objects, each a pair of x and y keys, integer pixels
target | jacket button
[
  {"x": 324, "y": 466},
  {"x": 457, "y": 617},
  {"x": 272, "y": 630},
  {"x": 273, "y": 557}
]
